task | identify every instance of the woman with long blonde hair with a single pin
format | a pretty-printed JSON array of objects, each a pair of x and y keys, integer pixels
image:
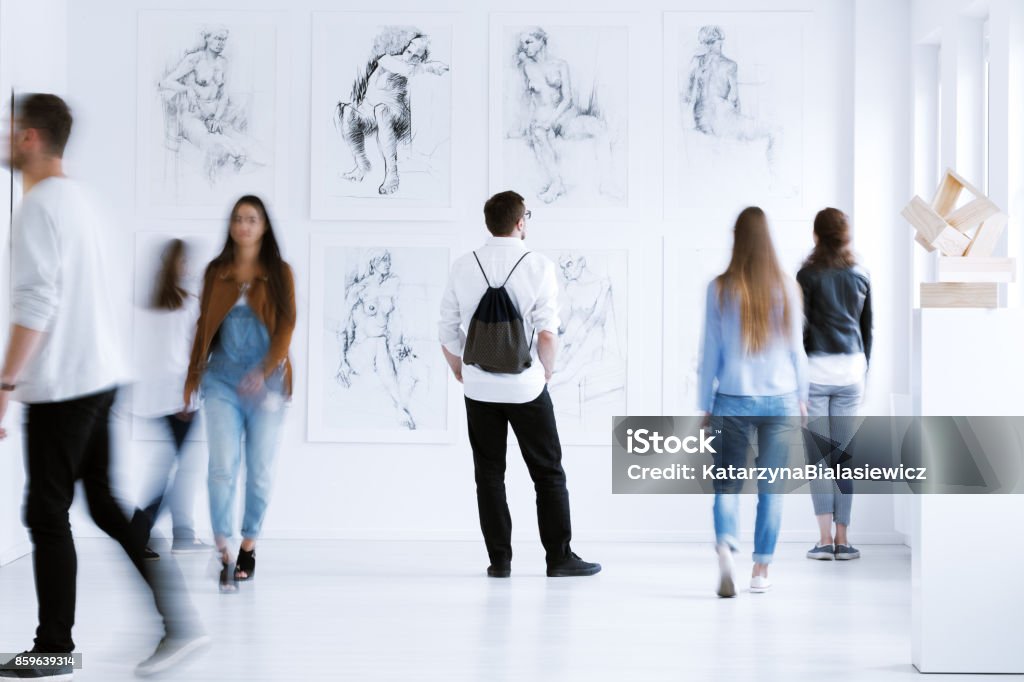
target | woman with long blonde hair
[{"x": 753, "y": 378}]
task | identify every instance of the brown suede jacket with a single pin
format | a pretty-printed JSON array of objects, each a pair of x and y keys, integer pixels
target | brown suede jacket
[{"x": 220, "y": 293}]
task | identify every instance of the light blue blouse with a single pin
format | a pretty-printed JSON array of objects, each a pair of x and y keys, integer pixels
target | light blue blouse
[{"x": 779, "y": 369}]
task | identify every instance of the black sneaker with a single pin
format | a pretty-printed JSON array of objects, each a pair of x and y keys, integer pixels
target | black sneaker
[
  {"x": 61, "y": 674},
  {"x": 822, "y": 552},
  {"x": 150, "y": 555},
  {"x": 499, "y": 571},
  {"x": 572, "y": 567},
  {"x": 171, "y": 652},
  {"x": 846, "y": 552}
]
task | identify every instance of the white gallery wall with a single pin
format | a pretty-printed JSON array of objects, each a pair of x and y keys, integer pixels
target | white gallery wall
[{"x": 667, "y": 235}]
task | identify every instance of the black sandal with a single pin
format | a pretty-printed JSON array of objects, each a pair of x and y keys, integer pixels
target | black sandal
[
  {"x": 227, "y": 583},
  {"x": 246, "y": 564}
]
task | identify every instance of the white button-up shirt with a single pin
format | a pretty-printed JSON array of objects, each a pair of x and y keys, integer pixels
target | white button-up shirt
[{"x": 534, "y": 291}]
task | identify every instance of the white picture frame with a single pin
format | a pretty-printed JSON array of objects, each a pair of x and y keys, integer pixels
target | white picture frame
[
  {"x": 626, "y": 261},
  {"x": 585, "y": 163},
  {"x": 361, "y": 321},
  {"x": 426, "y": 104},
  {"x": 734, "y": 107},
  {"x": 211, "y": 110}
]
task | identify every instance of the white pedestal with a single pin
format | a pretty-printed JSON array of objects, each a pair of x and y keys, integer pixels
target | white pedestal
[{"x": 967, "y": 556}]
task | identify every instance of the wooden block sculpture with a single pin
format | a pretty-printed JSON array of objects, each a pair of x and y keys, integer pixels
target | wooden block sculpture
[
  {"x": 965, "y": 237},
  {"x": 959, "y": 294}
]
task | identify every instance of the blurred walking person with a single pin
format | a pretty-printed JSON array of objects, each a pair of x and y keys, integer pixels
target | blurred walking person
[
  {"x": 240, "y": 365},
  {"x": 170, "y": 323},
  {"x": 63, "y": 361},
  {"x": 753, "y": 382}
]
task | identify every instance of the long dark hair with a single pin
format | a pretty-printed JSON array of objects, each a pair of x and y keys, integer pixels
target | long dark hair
[
  {"x": 832, "y": 228},
  {"x": 755, "y": 279},
  {"x": 269, "y": 258},
  {"x": 169, "y": 294}
]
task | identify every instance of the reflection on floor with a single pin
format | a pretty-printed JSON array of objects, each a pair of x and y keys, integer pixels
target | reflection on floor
[{"x": 360, "y": 610}]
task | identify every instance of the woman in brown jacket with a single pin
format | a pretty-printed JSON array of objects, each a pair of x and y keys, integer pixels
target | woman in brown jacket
[{"x": 240, "y": 363}]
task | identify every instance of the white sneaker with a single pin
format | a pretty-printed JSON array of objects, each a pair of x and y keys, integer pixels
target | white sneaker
[
  {"x": 726, "y": 584},
  {"x": 760, "y": 583}
]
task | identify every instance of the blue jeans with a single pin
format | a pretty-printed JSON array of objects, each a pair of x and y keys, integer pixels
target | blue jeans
[
  {"x": 242, "y": 342},
  {"x": 771, "y": 418}
]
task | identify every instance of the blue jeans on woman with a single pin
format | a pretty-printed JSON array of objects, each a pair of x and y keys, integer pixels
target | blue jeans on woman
[
  {"x": 240, "y": 346},
  {"x": 772, "y": 419}
]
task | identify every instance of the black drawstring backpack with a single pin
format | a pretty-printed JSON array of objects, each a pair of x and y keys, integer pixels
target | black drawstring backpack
[{"x": 496, "y": 341}]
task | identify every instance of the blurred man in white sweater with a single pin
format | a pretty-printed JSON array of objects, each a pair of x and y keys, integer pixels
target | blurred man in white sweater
[{"x": 64, "y": 361}]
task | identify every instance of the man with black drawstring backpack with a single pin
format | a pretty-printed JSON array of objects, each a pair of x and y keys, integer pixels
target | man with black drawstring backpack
[{"x": 499, "y": 334}]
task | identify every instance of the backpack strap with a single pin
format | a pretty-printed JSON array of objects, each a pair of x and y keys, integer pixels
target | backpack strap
[
  {"x": 482, "y": 269},
  {"x": 530, "y": 347},
  {"x": 513, "y": 268}
]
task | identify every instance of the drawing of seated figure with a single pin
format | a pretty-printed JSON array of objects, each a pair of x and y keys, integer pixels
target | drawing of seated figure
[
  {"x": 589, "y": 349},
  {"x": 712, "y": 95},
  {"x": 198, "y": 109},
  {"x": 379, "y": 105},
  {"x": 555, "y": 115},
  {"x": 371, "y": 342}
]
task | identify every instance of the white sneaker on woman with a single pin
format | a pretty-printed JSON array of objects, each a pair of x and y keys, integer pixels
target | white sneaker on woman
[
  {"x": 726, "y": 584},
  {"x": 760, "y": 583}
]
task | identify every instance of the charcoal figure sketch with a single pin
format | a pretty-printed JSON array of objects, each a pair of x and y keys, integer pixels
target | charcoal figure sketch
[
  {"x": 712, "y": 95},
  {"x": 555, "y": 114},
  {"x": 200, "y": 111},
  {"x": 371, "y": 339},
  {"x": 589, "y": 381},
  {"x": 379, "y": 106}
]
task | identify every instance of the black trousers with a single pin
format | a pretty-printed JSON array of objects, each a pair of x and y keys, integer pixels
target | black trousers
[
  {"x": 65, "y": 442},
  {"x": 534, "y": 426}
]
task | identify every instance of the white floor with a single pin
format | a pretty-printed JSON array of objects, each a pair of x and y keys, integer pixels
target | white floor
[{"x": 330, "y": 610}]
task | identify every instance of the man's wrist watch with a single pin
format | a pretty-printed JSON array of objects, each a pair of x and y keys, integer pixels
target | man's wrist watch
[{"x": 4, "y": 386}]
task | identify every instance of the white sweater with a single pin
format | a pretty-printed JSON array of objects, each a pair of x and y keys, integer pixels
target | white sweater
[
  {"x": 161, "y": 361},
  {"x": 59, "y": 287}
]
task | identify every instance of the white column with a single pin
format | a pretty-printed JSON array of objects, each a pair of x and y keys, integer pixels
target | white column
[
  {"x": 925, "y": 64},
  {"x": 1006, "y": 139},
  {"x": 882, "y": 138}
]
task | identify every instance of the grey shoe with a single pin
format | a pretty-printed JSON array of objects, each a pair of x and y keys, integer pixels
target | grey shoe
[
  {"x": 170, "y": 652},
  {"x": 823, "y": 552},
  {"x": 846, "y": 552}
]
